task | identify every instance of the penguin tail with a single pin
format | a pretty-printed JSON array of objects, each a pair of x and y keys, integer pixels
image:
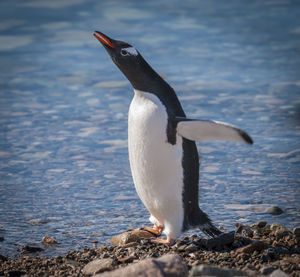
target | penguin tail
[
  {"x": 207, "y": 227},
  {"x": 210, "y": 230},
  {"x": 196, "y": 218}
]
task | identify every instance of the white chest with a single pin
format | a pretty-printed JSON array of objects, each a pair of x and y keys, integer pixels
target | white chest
[
  {"x": 147, "y": 122},
  {"x": 156, "y": 165}
]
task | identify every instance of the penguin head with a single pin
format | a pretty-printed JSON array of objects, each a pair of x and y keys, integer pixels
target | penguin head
[
  {"x": 131, "y": 63},
  {"x": 124, "y": 55}
]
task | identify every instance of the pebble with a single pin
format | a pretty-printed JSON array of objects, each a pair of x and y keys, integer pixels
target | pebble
[
  {"x": 48, "y": 241},
  {"x": 278, "y": 273},
  {"x": 191, "y": 248},
  {"x": 126, "y": 260},
  {"x": 244, "y": 230},
  {"x": 224, "y": 256},
  {"x": 276, "y": 226},
  {"x": 98, "y": 266},
  {"x": 3, "y": 258},
  {"x": 181, "y": 248},
  {"x": 218, "y": 243},
  {"x": 31, "y": 249},
  {"x": 252, "y": 248},
  {"x": 72, "y": 263},
  {"x": 274, "y": 210},
  {"x": 166, "y": 266},
  {"x": 131, "y": 237},
  {"x": 260, "y": 224},
  {"x": 296, "y": 231},
  {"x": 208, "y": 270},
  {"x": 16, "y": 273},
  {"x": 266, "y": 270},
  {"x": 194, "y": 236}
]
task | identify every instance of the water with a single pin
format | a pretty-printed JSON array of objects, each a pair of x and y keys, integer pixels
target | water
[{"x": 63, "y": 112}]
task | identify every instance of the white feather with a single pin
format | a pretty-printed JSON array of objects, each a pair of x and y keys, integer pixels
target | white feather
[
  {"x": 156, "y": 165},
  {"x": 204, "y": 130},
  {"x": 131, "y": 50}
]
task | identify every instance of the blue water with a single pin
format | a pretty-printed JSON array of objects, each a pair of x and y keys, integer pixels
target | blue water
[{"x": 64, "y": 167}]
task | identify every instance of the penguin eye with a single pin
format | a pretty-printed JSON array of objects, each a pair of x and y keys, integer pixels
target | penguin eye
[
  {"x": 124, "y": 52},
  {"x": 129, "y": 51}
]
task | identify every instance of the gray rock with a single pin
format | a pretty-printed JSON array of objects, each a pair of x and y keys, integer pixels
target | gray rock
[
  {"x": 181, "y": 248},
  {"x": 260, "y": 224},
  {"x": 279, "y": 230},
  {"x": 281, "y": 233},
  {"x": 207, "y": 270},
  {"x": 281, "y": 250},
  {"x": 244, "y": 230},
  {"x": 278, "y": 273},
  {"x": 170, "y": 265},
  {"x": 274, "y": 210},
  {"x": 224, "y": 256},
  {"x": 135, "y": 235},
  {"x": 48, "y": 241},
  {"x": 71, "y": 263},
  {"x": 254, "y": 246},
  {"x": 266, "y": 270},
  {"x": 276, "y": 226},
  {"x": 191, "y": 248},
  {"x": 3, "y": 258},
  {"x": 219, "y": 242},
  {"x": 97, "y": 266},
  {"x": 296, "y": 232},
  {"x": 16, "y": 273},
  {"x": 31, "y": 249}
]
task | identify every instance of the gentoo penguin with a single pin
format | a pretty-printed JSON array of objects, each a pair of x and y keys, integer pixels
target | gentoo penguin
[{"x": 162, "y": 153}]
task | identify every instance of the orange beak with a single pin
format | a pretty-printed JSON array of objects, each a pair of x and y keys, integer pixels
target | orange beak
[{"x": 103, "y": 39}]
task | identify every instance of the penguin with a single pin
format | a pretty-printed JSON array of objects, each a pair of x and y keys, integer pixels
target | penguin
[{"x": 163, "y": 155}]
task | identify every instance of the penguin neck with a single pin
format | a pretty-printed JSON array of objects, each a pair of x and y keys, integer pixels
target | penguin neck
[{"x": 144, "y": 78}]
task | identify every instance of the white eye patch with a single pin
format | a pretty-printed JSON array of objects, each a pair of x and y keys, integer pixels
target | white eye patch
[{"x": 129, "y": 50}]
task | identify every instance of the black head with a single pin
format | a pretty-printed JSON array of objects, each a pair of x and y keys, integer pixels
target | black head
[{"x": 124, "y": 55}]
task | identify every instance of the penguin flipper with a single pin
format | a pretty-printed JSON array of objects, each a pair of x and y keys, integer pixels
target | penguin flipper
[{"x": 205, "y": 130}]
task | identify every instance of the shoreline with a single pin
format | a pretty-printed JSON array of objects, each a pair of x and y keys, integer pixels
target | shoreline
[{"x": 255, "y": 249}]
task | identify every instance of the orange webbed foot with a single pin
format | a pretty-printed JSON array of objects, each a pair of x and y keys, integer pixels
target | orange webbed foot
[
  {"x": 155, "y": 230},
  {"x": 168, "y": 241}
]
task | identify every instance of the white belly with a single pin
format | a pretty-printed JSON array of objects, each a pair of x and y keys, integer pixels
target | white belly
[{"x": 156, "y": 165}]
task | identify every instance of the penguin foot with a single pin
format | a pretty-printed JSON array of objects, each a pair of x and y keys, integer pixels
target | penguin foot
[
  {"x": 210, "y": 230},
  {"x": 155, "y": 230},
  {"x": 168, "y": 241}
]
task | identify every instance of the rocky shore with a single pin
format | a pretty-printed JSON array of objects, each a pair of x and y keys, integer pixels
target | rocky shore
[{"x": 259, "y": 249}]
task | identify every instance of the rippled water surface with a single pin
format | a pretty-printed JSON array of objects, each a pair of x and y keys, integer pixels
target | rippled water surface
[{"x": 64, "y": 167}]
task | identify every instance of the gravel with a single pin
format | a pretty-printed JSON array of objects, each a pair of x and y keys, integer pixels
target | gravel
[{"x": 258, "y": 248}]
